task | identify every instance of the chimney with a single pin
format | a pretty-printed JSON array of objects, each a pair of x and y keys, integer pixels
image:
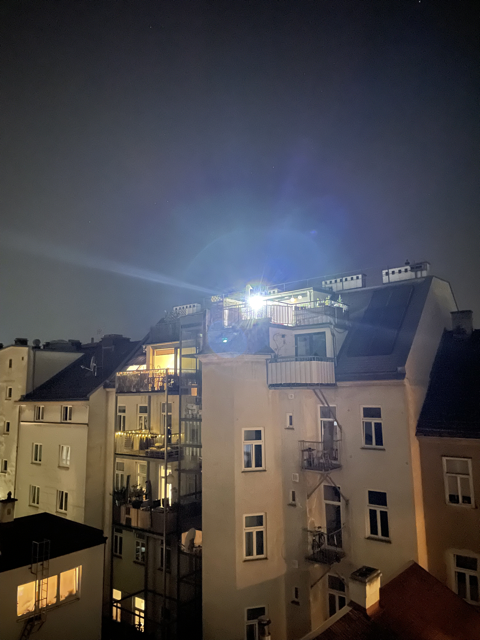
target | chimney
[
  {"x": 7, "y": 508},
  {"x": 364, "y": 588},
  {"x": 462, "y": 323}
]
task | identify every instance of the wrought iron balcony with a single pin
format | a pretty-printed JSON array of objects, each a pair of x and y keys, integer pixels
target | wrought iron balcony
[
  {"x": 146, "y": 381},
  {"x": 325, "y": 548},
  {"x": 321, "y": 456},
  {"x": 300, "y": 371}
]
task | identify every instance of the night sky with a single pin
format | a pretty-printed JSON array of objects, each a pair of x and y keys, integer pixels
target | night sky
[{"x": 146, "y": 144}]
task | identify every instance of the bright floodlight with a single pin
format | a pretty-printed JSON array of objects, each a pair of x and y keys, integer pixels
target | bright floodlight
[{"x": 256, "y": 302}]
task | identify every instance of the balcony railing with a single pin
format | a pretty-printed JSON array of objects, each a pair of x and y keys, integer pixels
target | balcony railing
[
  {"x": 145, "y": 443},
  {"x": 300, "y": 371},
  {"x": 145, "y": 515},
  {"x": 154, "y": 380},
  {"x": 325, "y": 548},
  {"x": 321, "y": 456}
]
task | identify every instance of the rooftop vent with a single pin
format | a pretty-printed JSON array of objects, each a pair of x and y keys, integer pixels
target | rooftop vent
[
  {"x": 407, "y": 272},
  {"x": 343, "y": 283},
  {"x": 21, "y": 342}
]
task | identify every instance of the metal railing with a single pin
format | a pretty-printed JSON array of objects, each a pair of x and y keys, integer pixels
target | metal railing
[
  {"x": 152, "y": 380},
  {"x": 320, "y": 456},
  {"x": 323, "y": 547},
  {"x": 303, "y": 370}
]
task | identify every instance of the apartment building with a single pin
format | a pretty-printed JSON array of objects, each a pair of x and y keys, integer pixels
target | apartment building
[
  {"x": 22, "y": 368},
  {"x": 156, "y": 533},
  {"x": 449, "y": 435},
  {"x": 310, "y": 465},
  {"x": 65, "y": 441}
]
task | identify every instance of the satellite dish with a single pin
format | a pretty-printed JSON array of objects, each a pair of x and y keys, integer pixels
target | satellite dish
[{"x": 92, "y": 367}]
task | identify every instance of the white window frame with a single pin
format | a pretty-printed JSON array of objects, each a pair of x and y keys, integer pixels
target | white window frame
[
  {"x": 67, "y": 413},
  {"x": 142, "y": 418},
  {"x": 139, "y": 613},
  {"x": 118, "y": 542},
  {"x": 467, "y": 572},
  {"x": 253, "y": 623},
  {"x": 253, "y": 444},
  {"x": 337, "y": 595},
  {"x": 140, "y": 549},
  {"x": 39, "y": 412},
  {"x": 6, "y": 426},
  {"x": 121, "y": 417},
  {"x": 374, "y": 444},
  {"x": 62, "y": 501},
  {"x": 37, "y": 452},
  {"x": 64, "y": 455},
  {"x": 458, "y": 476},
  {"x": 253, "y": 531},
  {"x": 289, "y": 421},
  {"x": 119, "y": 475},
  {"x": 377, "y": 508},
  {"x": 116, "y": 605},
  {"x": 34, "y": 495},
  {"x": 9, "y": 393},
  {"x": 4, "y": 467}
]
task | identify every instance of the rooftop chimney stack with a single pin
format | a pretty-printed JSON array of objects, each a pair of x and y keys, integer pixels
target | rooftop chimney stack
[
  {"x": 7, "y": 508},
  {"x": 462, "y": 323},
  {"x": 364, "y": 588}
]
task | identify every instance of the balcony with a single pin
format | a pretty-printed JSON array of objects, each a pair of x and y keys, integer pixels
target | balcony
[
  {"x": 146, "y": 515},
  {"x": 321, "y": 456},
  {"x": 146, "y": 381},
  {"x": 300, "y": 372},
  {"x": 146, "y": 443},
  {"x": 323, "y": 547}
]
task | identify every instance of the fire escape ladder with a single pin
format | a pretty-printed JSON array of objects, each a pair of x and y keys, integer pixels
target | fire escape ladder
[{"x": 40, "y": 569}]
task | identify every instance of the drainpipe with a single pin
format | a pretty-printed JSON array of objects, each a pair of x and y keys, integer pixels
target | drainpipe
[{"x": 165, "y": 448}]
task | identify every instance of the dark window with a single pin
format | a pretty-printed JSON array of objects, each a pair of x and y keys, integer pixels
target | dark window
[
  {"x": 378, "y": 498},
  {"x": 311, "y": 344}
]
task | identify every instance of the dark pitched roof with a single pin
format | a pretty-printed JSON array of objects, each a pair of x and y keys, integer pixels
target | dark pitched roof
[
  {"x": 452, "y": 404},
  {"x": 383, "y": 324},
  {"x": 78, "y": 381},
  {"x": 65, "y": 537},
  {"x": 413, "y": 606}
]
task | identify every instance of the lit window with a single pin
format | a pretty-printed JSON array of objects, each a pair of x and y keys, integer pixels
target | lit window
[
  {"x": 139, "y": 548},
  {"x": 168, "y": 419},
  {"x": 6, "y": 427},
  {"x": 37, "y": 451},
  {"x": 119, "y": 475},
  {"x": 142, "y": 472},
  {"x": 4, "y": 466},
  {"x": 118, "y": 542},
  {"x": 62, "y": 501},
  {"x": 117, "y": 606},
  {"x": 139, "y": 613},
  {"x": 253, "y": 449},
  {"x": 372, "y": 427},
  {"x": 254, "y": 536},
  {"x": 337, "y": 598},
  {"x": 378, "y": 515},
  {"x": 67, "y": 413},
  {"x": 466, "y": 578},
  {"x": 9, "y": 393},
  {"x": 48, "y": 591},
  {"x": 457, "y": 473},
  {"x": 70, "y": 583},
  {"x": 143, "y": 416},
  {"x": 25, "y": 598},
  {"x": 121, "y": 417},
  {"x": 251, "y": 621},
  {"x": 64, "y": 456},
  {"x": 34, "y": 495},
  {"x": 39, "y": 412}
]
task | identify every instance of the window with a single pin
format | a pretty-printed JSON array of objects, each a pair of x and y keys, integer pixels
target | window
[
  {"x": 118, "y": 542},
  {"x": 67, "y": 413},
  {"x": 117, "y": 606},
  {"x": 4, "y": 466},
  {"x": 39, "y": 412},
  {"x": 37, "y": 450},
  {"x": 293, "y": 497},
  {"x": 70, "y": 583},
  {"x": 64, "y": 456},
  {"x": 337, "y": 597},
  {"x": 289, "y": 424},
  {"x": 9, "y": 393},
  {"x": 142, "y": 416},
  {"x": 25, "y": 598},
  {"x": 6, "y": 426},
  {"x": 332, "y": 499},
  {"x": 119, "y": 475},
  {"x": 378, "y": 515},
  {"x": 311, "y": 344},
  {"x": 49, "y": 589},
  {"x": 139, "y": 613},
  {"x": 457, "y": 473},
  {"x": 251, "y": 621},
  {"x": 142, "y": 473},
  {"x": 254, "y": 534},
  {"x": 10, "y": 363},
  {"x": 372, "y": 427},
  {"x": 466, "y": 578},
  {"x": 296, "y": 595},
  {"x": 62, "y": 501},
  {"x": 169, "y": 558},
  {"x": 34, "y": 495},
  {"x": 139, "y": 548},
  {"x": 253, "y": 449},
  {"x": 121, "y": 417}
]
